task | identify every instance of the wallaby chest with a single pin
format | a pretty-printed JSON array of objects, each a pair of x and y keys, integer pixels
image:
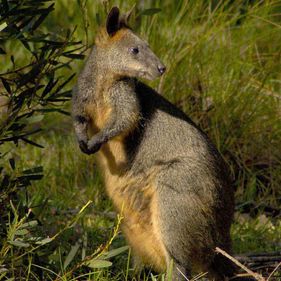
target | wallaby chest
[{"x": 99, "y": 113}]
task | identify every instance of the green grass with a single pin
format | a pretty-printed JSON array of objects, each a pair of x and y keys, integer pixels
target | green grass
[{"x": 223, "y": 70}]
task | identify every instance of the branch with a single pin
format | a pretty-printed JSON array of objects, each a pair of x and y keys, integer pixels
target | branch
[{"x": 255, "y": 275}]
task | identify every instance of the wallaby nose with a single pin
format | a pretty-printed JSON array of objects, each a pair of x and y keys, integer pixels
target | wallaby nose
[{"x": 161, "y": 69}]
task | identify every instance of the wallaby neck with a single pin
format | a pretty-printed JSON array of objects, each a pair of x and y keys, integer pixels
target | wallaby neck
[{"x": 101, "y": 76}]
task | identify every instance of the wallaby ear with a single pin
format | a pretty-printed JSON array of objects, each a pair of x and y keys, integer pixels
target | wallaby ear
[
  {"x": 126, "y": 17},
  {"x": 112, "y": 21}
]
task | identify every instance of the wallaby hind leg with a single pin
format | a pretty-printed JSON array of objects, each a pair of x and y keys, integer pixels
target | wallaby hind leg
[{"x": 184, "y": 222}]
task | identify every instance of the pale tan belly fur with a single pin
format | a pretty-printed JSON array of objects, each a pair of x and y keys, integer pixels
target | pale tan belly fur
[{"x": 135, "y": 198}]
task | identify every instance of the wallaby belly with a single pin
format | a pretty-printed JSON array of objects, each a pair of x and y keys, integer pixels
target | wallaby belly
[
  {"x": 135, "y": 198},
  {"x": 141, "y": 228}
]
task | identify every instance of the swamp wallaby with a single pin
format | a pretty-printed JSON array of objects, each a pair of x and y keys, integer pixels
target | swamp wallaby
[{"x": 161, "y": 171}]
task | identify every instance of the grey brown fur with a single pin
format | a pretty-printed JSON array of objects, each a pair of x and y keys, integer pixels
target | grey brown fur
[{"x": 160, "y": 169}]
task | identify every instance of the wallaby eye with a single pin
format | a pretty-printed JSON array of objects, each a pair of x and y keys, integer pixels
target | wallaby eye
[{"x": 134, "y": 50}]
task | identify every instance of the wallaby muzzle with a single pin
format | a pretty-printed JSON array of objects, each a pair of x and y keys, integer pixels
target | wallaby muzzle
[{"x": 161, "y": 68}]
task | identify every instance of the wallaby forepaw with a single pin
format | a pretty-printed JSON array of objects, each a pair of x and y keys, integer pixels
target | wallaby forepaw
[
  {"x": 94, "y": 145},
  {"x": 84, "y": 147}
]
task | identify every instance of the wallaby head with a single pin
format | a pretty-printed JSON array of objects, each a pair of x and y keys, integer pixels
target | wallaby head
[{"x": 124, "y": 53}]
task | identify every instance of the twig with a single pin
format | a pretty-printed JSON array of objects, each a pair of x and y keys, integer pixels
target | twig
[
  {"x": 275, "y": 269},
  {"x": 182, "y": 274},
  {"x": 199, "y": 276},
  {"x": 265, "y": 254},
  {"x": 255, "y": 275},
  {"x": 258, "y": 259},
  {"x": 265, "y": 268}
]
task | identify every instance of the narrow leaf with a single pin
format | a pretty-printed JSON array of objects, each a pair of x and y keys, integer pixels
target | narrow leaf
[
  {"x": 57, "y": 100},
  {"x": 31, "y": 75},
  {"x": 3, "y": 26},
  {"x": 42, "y": 17},
  {"x": 34, "y": 119},
  {"x": 3, "y": 272},
  {"x": 65, "y": 82},
  {"x": 49, "y": 86},
  {"x": 14, "y": 138},
  {"x": 71, "y": 255},
  {"x": 6, "y": 85},
  {"x": 48, "y": 110},
  {"x": 99, "y": 263},
  {"x": 30, "y": 177},
  {"x": 29, "y": 224},
  {"x": 12, "y": 163},
  {"x": 32, "y": 142},
  {"x": 21, "y": 232},
  {"x": 25, "y": 44},
  {"x": 74, "y": 56},
  {"x": 44, "y": 241},
  {"x": 35, "y": 170},
  {"x": 19, "y": 244},
  {"x": 115, "y": 252}
]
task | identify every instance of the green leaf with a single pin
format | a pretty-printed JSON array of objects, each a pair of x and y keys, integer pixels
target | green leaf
[
  {"x": 12, "y": 163},
  {"x": 25, "y": 44},
  {"x": 29, "y": 224},
  {"x": 95, "y": 263},
  {"x": 150, "y": 12},
  {"x": 34, "y": 170},
  {"x": 24, "y": 179},
  {"x": 32, "y": 74},
  {"x": 71, "y": 255},
  {"x": 18, "y": 243},
  {"x": 34, "y": 119},
  {"x": 115, "y": 252},
  {"x": 32, "y": 142},
  {"x": 3, "y": 26},
  {"x": 3, "y": 270},
  {"x": 64, "y": 83},
  {"x": 42, "y": 17},
  {"x": 50, "y": 85},
  {"x": 6, "y": 85},
  {"x": 74, "y": 56},
  {"x": 21, "y": 232},
  {"x": 48, "y": 110},
  {"x": 44, "y": 241}
]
